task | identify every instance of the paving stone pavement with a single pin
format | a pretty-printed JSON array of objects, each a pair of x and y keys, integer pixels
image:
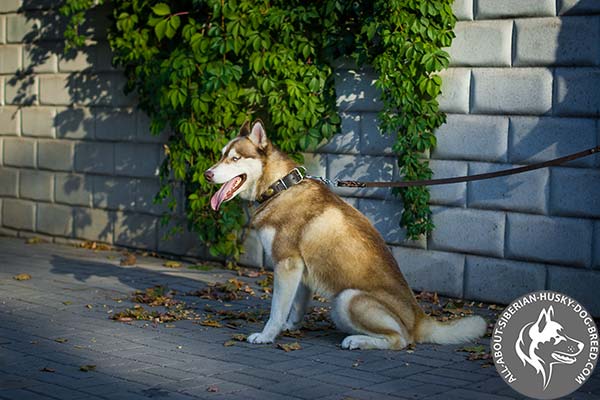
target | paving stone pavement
[{"x": 74, "y": 291}]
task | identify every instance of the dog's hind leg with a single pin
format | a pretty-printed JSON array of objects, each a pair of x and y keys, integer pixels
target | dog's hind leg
[
  {"x": 299, "y": 307},
  {"x": 376, "y": 328},
  {"x": 286, "y": 279}
]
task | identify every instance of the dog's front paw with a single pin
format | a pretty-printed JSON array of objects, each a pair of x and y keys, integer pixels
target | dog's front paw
[{"x": 258, "y": 338}]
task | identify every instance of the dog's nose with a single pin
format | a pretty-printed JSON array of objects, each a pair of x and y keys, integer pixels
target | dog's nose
[{"x": 209, "y": 175}]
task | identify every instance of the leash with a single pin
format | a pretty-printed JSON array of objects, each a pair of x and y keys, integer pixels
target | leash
[
  {"x": 459, "y": 179},
  {"x": 297, "y": 175}
]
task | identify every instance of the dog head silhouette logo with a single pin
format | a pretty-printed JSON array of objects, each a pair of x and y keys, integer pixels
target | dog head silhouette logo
[{"x": 544, "y": 343}]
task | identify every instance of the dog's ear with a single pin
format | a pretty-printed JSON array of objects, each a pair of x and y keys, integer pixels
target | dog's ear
[
  {"x": 544, "y": 318},
  {"x": 257, "y": 135},
  {"x": 245, "y": 129}
]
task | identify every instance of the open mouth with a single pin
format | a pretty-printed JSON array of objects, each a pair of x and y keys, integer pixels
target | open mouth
[
  {"x": 227, "y": 191},
  {"x": 563, "y": 358}
]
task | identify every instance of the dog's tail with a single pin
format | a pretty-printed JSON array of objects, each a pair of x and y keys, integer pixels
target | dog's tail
[{"x": 455, "y": 331}]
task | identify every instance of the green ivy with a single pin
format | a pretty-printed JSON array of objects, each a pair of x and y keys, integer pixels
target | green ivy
[{"x": 200, "y": 68}]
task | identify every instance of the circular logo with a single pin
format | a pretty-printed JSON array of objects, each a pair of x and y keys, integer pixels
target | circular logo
[{"x": 545, "y": 345}]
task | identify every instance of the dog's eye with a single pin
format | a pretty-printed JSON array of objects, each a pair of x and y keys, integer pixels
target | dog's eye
[{"x": 235, "y": 159}]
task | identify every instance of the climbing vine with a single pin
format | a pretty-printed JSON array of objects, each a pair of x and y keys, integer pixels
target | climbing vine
[{"x": 200, "y": 68}]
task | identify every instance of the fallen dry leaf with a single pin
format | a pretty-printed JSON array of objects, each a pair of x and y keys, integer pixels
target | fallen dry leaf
[
  {"x": 34, "y": 240},
  {"x": 287, "y": 347},
  {"x": 89, "y": 306},
  {"x": 239, "y": 337},
  {"x": 61, "y": 340},
  {"x": 90, "y": 245},
  {"x": 212, "y": 389},
  {"x": 293, "y": 334},
  {"x": 229, "y": 343},
  {"x": 87, "y": 368},
  {"x": 46, "y": 369},
  {"x": 211, "y": 323},
  {"x": 22, "y": 277},
  {"x": 128, "y": 259},
  {"x": 172, "y": 264},
  {"x": 155, "y": 296}
]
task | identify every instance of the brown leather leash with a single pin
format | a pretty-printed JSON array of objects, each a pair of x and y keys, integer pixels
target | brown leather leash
[{"x": 469, "y": 178}]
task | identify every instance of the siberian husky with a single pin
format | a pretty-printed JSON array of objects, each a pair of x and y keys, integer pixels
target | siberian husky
[{"x": 319, "y": 243}]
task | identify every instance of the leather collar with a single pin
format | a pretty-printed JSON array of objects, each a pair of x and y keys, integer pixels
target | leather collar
[{"x": 294, "y": 177}]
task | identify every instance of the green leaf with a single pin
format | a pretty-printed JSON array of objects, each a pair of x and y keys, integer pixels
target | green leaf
[
  {"x": 161, "y": 9},
  {"x": 160, "y": 29}
]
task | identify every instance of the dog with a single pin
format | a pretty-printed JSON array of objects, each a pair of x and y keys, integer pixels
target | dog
[
  {"x": 543, "y": 344},
  {"x": 319, "y": 243}
]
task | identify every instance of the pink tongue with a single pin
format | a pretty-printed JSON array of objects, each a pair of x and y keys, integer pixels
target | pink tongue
[{"x": 221, "y": 195}]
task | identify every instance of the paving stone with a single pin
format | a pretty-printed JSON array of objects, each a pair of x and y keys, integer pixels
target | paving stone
[{"x": 129, "y": 356}]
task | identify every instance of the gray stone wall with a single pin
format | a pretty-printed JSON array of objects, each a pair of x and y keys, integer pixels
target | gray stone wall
[
  {"x": 523, "y": 87},
  {"x": 77, "y": 160}
]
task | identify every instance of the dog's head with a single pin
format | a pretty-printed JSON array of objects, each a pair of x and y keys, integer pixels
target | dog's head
[
  {"x": 544, "y": 343},
  {"x": 241, "y": 165}
]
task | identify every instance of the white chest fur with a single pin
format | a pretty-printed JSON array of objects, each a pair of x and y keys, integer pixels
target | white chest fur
[{"x": 267, "y": 235}]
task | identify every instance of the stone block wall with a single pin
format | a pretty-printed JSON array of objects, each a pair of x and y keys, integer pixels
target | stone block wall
[
  {"x": 523, "y": 87},
  {"x": 77, "y": 160}
]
